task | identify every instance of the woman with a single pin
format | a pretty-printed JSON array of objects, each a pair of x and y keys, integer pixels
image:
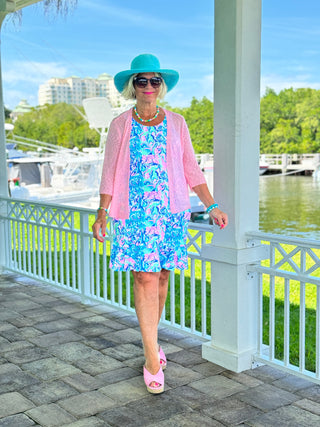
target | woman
[{"x": 149, "y": 164}]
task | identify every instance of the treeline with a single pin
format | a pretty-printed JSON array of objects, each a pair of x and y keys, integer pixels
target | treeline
[
  {"x": 199, "y": 118},
  {"x": 290, "y": 123},
  {"x": 59, "y": 124}
]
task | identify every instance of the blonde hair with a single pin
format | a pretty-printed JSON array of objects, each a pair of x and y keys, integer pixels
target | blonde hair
[{"x": 129, "y": 91}]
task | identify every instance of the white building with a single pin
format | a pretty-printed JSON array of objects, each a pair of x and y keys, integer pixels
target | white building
[
  {"x": 72, "y": 90},
  {"x": 21, "y": 108}
]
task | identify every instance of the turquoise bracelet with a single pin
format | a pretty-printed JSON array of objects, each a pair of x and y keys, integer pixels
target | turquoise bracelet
[
  {"x": 102, "y": 209},
  {"x": 211, "y": 207}
]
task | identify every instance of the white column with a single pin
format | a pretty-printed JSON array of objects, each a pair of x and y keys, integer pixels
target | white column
[
  {"x": 3, "y": 165},
  {"x": 3, "y": 156},
  {"x": 236, "y": 181}
]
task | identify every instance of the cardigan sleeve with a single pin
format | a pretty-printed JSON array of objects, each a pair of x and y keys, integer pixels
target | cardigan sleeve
[
  {"x": 111, "y": 153},
  {"x": 192, "y": 170}
]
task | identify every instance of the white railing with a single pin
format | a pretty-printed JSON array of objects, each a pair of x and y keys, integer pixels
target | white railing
[
  {"x": 304, "y": 160},
  {"x": 289, "y": 304},
  {"x": 54, "y": 243},
  {"x": 296, "y": 162}
]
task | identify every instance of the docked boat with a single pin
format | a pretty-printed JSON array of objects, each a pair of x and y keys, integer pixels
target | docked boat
[
  {"x": 263, "y": 167},
  {"x": 60, "y": 179}
]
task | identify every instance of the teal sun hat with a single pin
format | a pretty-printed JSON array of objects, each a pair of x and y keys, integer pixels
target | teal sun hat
[{"x": 146, "y": 63}]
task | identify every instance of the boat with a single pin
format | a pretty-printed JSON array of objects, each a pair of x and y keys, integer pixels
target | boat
[
  {"x": 263, "y": 167},
  {"x": 51, "y": 173},
  {"x": 61, "y": 177}
]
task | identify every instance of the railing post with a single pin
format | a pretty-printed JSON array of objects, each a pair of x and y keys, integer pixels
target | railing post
[
  {"x": 3, "y": 250},
  {"x": 284, "y": 162},
  {"x": 234, "y": 315},
  {"x": 84, "y": 257}
]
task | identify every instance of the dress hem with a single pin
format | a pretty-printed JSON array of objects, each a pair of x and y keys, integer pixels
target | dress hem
[{"x": 149, "y": 271}]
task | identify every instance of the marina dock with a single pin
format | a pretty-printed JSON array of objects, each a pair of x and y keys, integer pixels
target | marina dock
[
  {"x": 281, "y": 163},
  {"x": 284, "y": 163}
]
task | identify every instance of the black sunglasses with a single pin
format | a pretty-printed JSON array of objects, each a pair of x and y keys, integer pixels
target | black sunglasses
[{"x": 142, "y": 82}]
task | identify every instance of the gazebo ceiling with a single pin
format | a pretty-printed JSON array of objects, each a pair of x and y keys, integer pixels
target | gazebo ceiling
[{"x": 9, "y": 6}]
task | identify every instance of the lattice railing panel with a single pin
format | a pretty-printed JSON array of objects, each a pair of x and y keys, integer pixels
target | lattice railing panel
[
  {"x": 289, "y": 304},
  {"x": 54, "y": 243}
]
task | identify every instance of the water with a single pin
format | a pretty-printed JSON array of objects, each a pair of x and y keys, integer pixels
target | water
[{"x": 290, "y": 205}]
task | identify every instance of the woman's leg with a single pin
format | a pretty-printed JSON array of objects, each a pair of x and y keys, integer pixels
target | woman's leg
[
  {"x": 163, "y": 289},
  {"x": 146, "y": 301}
]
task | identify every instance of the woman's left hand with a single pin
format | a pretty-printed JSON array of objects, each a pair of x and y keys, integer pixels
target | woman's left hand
[{"x": 220, "y": 218}]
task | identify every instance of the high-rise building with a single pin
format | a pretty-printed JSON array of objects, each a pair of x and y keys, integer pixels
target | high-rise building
[{"x": 72, "y": 90}]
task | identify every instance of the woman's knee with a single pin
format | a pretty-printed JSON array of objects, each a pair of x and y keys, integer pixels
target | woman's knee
[
  {"x": 145, "y": 277},
  {"x": 164, "y": 276}
]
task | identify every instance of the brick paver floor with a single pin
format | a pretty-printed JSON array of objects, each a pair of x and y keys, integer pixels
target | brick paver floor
[{"x": 63, "y": 363}]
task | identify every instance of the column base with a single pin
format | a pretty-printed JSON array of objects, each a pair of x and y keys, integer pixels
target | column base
[{"x": 235, "y": 362}]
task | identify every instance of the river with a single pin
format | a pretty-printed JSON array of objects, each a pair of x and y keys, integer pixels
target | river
[{"x": 290, "y": 205}]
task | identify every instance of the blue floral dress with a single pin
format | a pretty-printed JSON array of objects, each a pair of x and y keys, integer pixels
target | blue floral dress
[{"x": 152, "y": 238}]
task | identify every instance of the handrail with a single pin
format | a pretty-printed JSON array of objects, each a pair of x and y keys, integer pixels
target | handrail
[
  {"x": 28, "y": 142},
  {"x": 260, "y": 235}
]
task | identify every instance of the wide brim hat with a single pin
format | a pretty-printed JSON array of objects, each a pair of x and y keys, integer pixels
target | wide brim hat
[{"x": 146, "y": 63}]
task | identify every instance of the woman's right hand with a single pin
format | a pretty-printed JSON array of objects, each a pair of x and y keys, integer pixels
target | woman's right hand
[
  {"x": 100, "y": 225},
  {"x": 220, "y": 218}
]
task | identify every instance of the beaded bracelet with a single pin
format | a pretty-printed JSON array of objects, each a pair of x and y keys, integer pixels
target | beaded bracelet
[
  {"x": 211, "y": 207},
  {"x": 100, "y": 208}
]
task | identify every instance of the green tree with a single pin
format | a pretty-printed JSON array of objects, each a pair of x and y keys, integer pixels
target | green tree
[
  {"x": 290, "y": 121},
  {"x": 199, "y": 118},
  {"x": 7, "y": 113},
  {"x": 58, "y": 124},
  {"x": 285, "y": 138}
]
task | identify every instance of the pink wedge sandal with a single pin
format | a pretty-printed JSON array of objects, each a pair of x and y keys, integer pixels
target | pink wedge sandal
[{"x": 157, "y": 379}]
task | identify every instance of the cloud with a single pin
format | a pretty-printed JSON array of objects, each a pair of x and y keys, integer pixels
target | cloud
[
  {"x": 207, "y": 86},
  {"x": 146, "y": 18},
  {"x": 12, "y": 97},
  {"x": 31, "y": 72},
  {"x": 279, "y": 83},
  {"x": 123, "y": 15},
  {"x": 292, "y": 28},
  {"x": 21, "y": 80},
  {"x": 179, "y": 98}
]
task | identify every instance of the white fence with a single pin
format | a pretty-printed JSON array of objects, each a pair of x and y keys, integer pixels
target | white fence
[
  {"x": 282, "y": 162},
  {"x": 289, "y": 304},
  {"x": 293, "y": 162},
  {"x": 55, "y": 244}
]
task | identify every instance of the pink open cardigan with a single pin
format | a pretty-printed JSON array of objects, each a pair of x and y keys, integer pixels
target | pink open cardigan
[{"x": 182, "y": 166}]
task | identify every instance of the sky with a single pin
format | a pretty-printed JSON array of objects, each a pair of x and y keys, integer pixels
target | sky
[{"x": 103, "y": 36}]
